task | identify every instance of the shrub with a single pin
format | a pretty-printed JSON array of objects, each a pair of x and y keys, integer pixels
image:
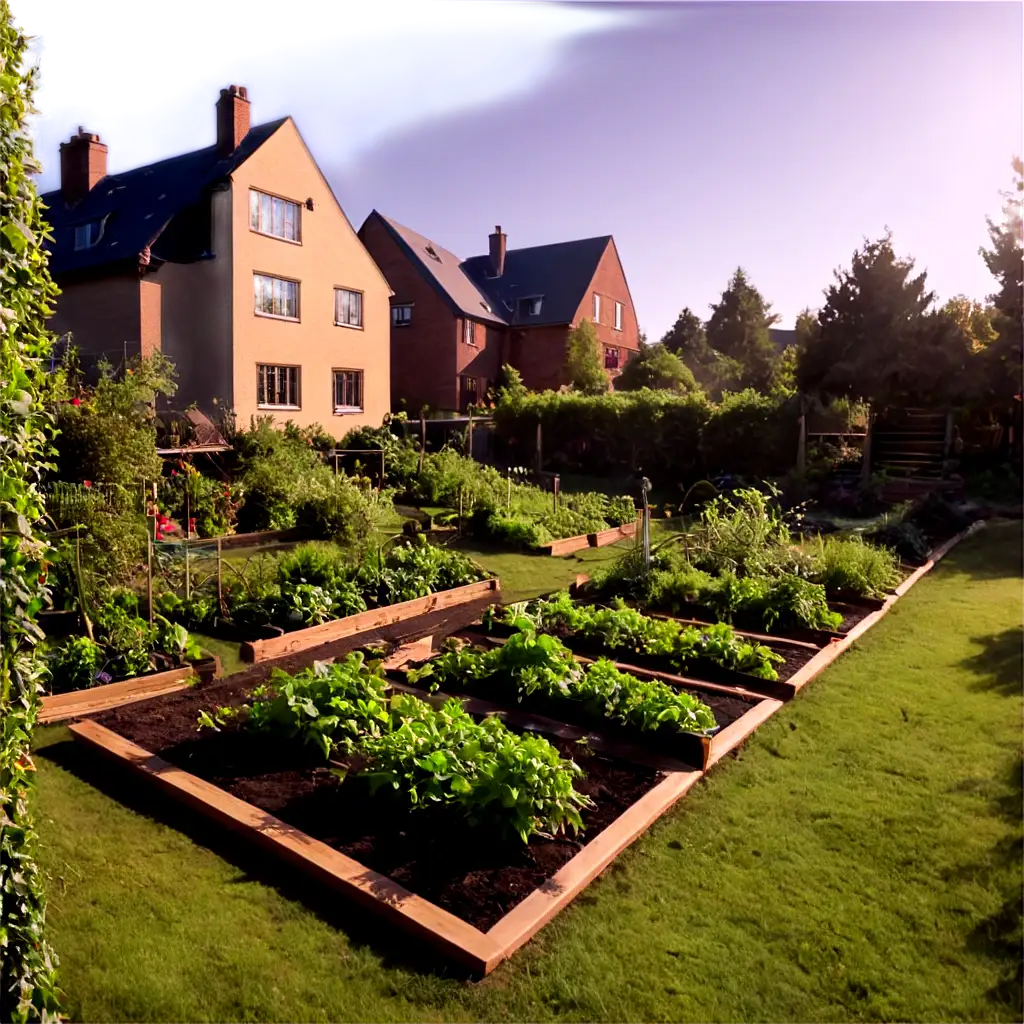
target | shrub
[
  {"x": 621, "y": 511},
  {"x": 189, "y": 497},
  {"x": 514, "y": 529},
  {"x": 851, "y": 568},
  {"x": 75, "y": 664},
  {"x": 332, "y": 508}
]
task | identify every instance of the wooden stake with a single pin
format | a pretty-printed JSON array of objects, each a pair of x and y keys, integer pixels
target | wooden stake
[
  {"x": 220, "y": 581},
  {"x": 423, "y": 437},
  {"x": 469, "y": 434},
  {"x": 149, "y": 576},
  {"x": 540, "y": 450},
  {"x": 801, "y": 447}
]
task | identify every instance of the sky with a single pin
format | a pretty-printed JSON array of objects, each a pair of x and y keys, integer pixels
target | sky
[{"x": 705, "y": 136}]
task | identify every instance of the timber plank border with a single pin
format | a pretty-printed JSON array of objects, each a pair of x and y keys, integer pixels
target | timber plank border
[
  {"x": 374, "y": 618},
  {"x": 61, "y": 706},
  {"x": 376, "y": 892}
]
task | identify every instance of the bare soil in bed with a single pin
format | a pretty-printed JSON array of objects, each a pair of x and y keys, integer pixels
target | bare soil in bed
[{"x": 472, "y": 874}]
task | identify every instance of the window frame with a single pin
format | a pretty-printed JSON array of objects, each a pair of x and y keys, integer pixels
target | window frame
[
  {"x": 253, "y": 191},
  {"x": 534, "y": 301},
  {"x": 395, "y": 322},
  {"x": 477, "y": 389},
  {"x": 298, "y": 386},
  {"x": 99, "y": 225},
  {"x": 615, "y": 352},
  {"x": 348, "y": 410},
  {"x": 597, "y": 308},
  {"x": 338, "y": 290},
  {"x": 469, "y": 332},
  {"x": 619, "y": 311},
  {"x": 278, "y": 316}
]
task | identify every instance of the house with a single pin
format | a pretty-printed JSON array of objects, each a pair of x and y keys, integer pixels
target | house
[
  {"x": 455, "y": 322},
  {"x": 237, "y": 262}
]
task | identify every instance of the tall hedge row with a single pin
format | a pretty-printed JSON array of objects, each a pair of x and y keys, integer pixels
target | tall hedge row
[
  {"x": 666, "y": 436},
  {"x": 28, "y": 982}
]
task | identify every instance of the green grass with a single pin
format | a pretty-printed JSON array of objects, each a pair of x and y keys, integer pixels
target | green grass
[{"x": 860, "y": 860}]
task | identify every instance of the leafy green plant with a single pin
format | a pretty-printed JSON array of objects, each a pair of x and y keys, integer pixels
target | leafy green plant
[
  {"x": 531, "y": 663},
  {"x": 495, "y": 777},
  {"x": 623, "y": 629},
  {"x": 848, "y": 567},
  {"x": 75, "y": 664}
]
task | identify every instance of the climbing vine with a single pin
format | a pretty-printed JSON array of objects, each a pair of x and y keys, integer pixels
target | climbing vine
[{"x": 28, "y": 981}]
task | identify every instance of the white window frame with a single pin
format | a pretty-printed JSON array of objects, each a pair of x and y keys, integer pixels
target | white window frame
[
  {"x": 401, "y": 321},
  {"x": 597, "y": 308},
  {"x": 618, "y": 316},
  {"x": 357, "y": 324},
  {"x": 297, "y": 380},
  {"x": 264, "y": 206},
  {"x": 469, "y": 332},
  {"x": 533, "y": 304},
  {"x": 84, "y": 238},
  {"x": 258, "y": 287},
  {"x": 342, "y": 409}
]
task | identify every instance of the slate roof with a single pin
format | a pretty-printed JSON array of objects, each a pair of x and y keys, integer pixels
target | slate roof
[
  {"x": 782, "y": 338},
  {"x": 561, "y": 273},
  {"x": 136, "y": 206}
]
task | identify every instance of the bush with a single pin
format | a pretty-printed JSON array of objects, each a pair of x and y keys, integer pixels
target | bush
[
  {"x": 515, "y": 529},
  {"x": 851, "y": 568},
  {"x": 211, "y": 506},
  {"x": 621, "y": 511},
  {"x": 75, "y": 664},
  {"x": 332, "y": 508}
]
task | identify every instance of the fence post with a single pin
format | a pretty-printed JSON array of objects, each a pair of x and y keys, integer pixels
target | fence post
[
  {"x": 423, "y": 437},
  {"x": 220, "y": 581},
  {"x": 149, "y": 575},
  {"x": 540, "y": 449},
  {"x": 469, "y": 434},
  {"x": 188, "y": 574}
]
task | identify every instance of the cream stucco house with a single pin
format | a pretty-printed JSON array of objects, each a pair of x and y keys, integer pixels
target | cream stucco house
[{"x": 236, "y": 261}]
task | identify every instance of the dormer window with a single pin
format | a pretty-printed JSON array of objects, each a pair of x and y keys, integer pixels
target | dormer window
[
  {"x": 432, "y": 253},
  {"x": 88, "y": 235},
  {"x": 530, "y": 305}
]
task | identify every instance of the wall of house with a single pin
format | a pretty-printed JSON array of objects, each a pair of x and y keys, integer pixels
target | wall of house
[
  {"x": 197, "y": 311},
  {"x": 538, "y": 353},
  {"x": 425, "y": 353},
  {"x": 330, "y": 255},
  {"x": 610, "y": 283},
  {"x": 481, "y": 360},
  {"x": 112, "y": 318}
]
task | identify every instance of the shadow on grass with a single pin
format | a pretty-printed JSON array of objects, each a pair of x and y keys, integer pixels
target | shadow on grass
[
  {"x": 999, "y": 665},
  {"x": 396, "y": 948},
  {"x": 980, "y": 559},
  {"x": 1000, "y": 936}
]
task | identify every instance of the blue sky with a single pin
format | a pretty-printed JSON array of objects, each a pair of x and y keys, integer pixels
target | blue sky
[{"x": 702, "y": 136}]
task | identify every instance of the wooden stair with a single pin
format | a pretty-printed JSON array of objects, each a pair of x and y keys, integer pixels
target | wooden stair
[{"x": 910, "y": 446}]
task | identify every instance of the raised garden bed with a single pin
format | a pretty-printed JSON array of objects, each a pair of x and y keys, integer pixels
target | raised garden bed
[
  {"x": 373, "y": 619},
  {"x": 60, "y": 707},
  {"x": 567, "y": 545}
]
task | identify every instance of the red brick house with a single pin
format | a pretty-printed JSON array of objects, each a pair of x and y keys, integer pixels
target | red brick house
[{"x": 455, "y": 322}]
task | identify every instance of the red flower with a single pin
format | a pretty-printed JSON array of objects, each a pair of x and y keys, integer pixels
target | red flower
[
  {"x": 76, "y": 401},
  {"x": 42, "y": 577},
  {"x": 174, "y": 472},
  {"x": 87, "y": 483}
]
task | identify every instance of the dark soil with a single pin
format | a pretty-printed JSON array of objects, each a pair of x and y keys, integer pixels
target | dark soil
[{"x": 474, "y": 875}]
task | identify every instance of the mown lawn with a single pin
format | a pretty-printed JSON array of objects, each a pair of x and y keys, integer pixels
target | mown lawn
[{"x": 860, "y": 860}]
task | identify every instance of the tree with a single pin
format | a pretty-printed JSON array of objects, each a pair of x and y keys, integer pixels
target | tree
[
  {"x": 974, "y": 319},
  {"x": 1002, "y": 359},
  {"x": 876, "y": 339},
  {"x": 654, "y": 366},
  {"x": 738, "y": 330},
  {"x": 687, "y": 339},
  {"x": 583, "y": 363},
  {"x": 28, "y": 982}
]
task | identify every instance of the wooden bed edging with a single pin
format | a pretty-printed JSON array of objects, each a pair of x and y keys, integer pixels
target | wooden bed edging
[
  {"x": 244, "y": 540},
  {"x": 375, "y": 892},
  {"x": 374, "y": 618},
  {"x": 523, "y": 921},
  {"x": 567, "y": 545},
  {"x": 61, "y": 706}
]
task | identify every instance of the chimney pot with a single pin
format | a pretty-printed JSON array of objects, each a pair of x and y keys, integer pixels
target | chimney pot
[
  {"x": 232, "y": 118},
  {"x": 497, "y": 251},
  {"x": 83, "y": 162}
]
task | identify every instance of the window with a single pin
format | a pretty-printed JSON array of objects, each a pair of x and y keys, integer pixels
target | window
[
  {"x": 432, "y": 253},
  {"x": 618, "y": 316},
  {"x": 348, "y": 308},
  {"x": 277, "y": 387},
  {"x": 87, "y": 235},
  {"x": 272, "y": 216},
  {"x": 611, "y": 358},
  {"x": 597, "y": 308},
  {"x": 401, "y": 316},
  {"x": 469, "y": 391},
  {"x": 275, "y": 296},
  {"x": 348, "y": 391},
  {"x": 469, "y": 331},
  {"x": 530, "y": 306}
]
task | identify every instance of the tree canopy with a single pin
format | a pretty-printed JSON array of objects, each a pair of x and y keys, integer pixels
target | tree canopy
[
  {"x": 583, "y": 362},
  {"x": 738, "y": 329},
  {"x": 654, "y": 366}
]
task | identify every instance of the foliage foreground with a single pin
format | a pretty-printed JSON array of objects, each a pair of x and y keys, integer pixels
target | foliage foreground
[{"x": 859, "y": 860}]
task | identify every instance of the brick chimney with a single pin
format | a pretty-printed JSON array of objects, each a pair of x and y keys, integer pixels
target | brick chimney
[
  {"x": 497, "y": 250},
  {"x": 83, "y": 161},
  {"x": 232, "y": 118}
]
